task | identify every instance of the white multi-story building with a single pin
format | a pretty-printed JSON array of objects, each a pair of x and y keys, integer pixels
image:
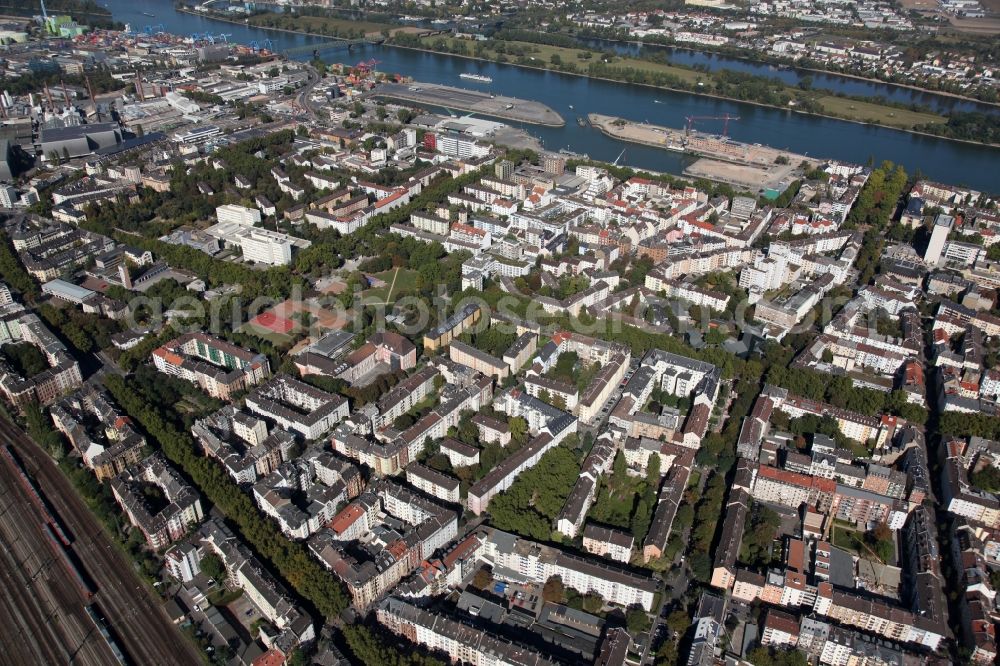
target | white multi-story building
[
  {"x": 266, "y": 247},
  {"x": 538, "y": 563},
  {"x": 767, "y": 273},
  {"x": 966, "y": 254},
  {"x": 297, "y": 406},
  {"x": 456, "y": 145},
  {"x": 198, "y": 134},
  {"x": 237, "y": 214},
  {"x": 433, "y": 482},
  {"x": 8, "y": 196},
  {"x": 939, "y": 235}
]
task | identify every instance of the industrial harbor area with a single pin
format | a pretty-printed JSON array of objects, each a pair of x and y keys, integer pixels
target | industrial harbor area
[
  {"x": 333, "y": 336},
  {"x": 722, "y": 159},
  {"x": 473, "y": 101}
]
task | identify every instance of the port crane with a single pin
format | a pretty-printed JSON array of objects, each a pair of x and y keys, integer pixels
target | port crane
[
  {"x": 210, "y": 38},
  {"x": 367, "y": 66},
  {"x": 724, "y": 117},
  {"x": 364, "y": 70}
]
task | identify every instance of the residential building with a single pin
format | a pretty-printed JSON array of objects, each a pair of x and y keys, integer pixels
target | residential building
[
  {"x": 62, "y": 375},
  {"x": 433, "y": 482},
  {"x": 538, "y": 563},
  {"x": 168, "y": 517},
  {"x": 608, "y": 542},
  {"x": 216, "y": 366},
  {"x": 101, "y": 433},
  {"x": 297, "y": 407}
]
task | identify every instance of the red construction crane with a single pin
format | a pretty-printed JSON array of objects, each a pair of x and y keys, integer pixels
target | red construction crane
[{"x": 724, "y": 117}]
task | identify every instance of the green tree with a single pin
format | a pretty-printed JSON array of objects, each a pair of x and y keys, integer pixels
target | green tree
[
  {"x": 879, "y": 540},
  {"x": 653, "y": 471},
  {"x": 987, "y": 478},
  {"x": 534, "y": 500},
  {"x": 212, "y": 566},
  {"x": 554, "y": 591},
  {"x": 641, "y": 519},
  {"x": 762, "y": 656},
  {"x": 678, "y": 621},
  {"x": 40, "y": 429},
  {"x": 637, "y": 621},
  {"x": 518, "y": 429}
]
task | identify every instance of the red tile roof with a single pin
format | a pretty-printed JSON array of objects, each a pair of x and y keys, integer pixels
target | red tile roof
[{"x": 347, "y": 517}]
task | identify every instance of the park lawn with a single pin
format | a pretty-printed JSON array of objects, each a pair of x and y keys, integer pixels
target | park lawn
[
  {"x": 846, "y": 538},
  {"x": 542, "y": 55},
  {"x": 858, "y": 449},
  {"x": 406, "y": 282},
  {"x": 320, "y": 25},
  {"x": 688, "y": 75},
  {"x": 871, "y": 112}
]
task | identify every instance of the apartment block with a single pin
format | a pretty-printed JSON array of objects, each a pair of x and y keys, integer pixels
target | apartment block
[
  {"x": 433, "y": 482},
  {"x": 605, "y": 541},
  {"x": 538, "y": 563},
  {"x": 99, "y": 431},
  {"x": 166, "y": 518},
  {"x": 297, "y": 407},
  {"x": 244, "y": 444},
  {"x": 62, "y": 375},
  {"x": 216, "y": 366}
]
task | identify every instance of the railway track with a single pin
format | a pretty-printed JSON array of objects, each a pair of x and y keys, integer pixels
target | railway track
[{"x": 51, "y": 621}]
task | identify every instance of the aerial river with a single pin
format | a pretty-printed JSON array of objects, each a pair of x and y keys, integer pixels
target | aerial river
[
  {"x": 573, "y": 96},
  {"x": 837, "y": 83}
]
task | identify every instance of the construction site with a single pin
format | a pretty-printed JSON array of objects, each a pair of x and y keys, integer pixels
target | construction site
[{"x": 721, "y": 159}]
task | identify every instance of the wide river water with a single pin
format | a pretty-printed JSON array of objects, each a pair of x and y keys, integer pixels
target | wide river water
[{"x": 947, "y": 161}]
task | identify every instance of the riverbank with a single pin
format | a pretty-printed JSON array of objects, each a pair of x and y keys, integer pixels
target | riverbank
[
  {"x": 289, "y": 31},
  {"x": 846, "y": 102},
  {"x": 749, "y": 57},
  {"x": 737, "y": 54}
]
